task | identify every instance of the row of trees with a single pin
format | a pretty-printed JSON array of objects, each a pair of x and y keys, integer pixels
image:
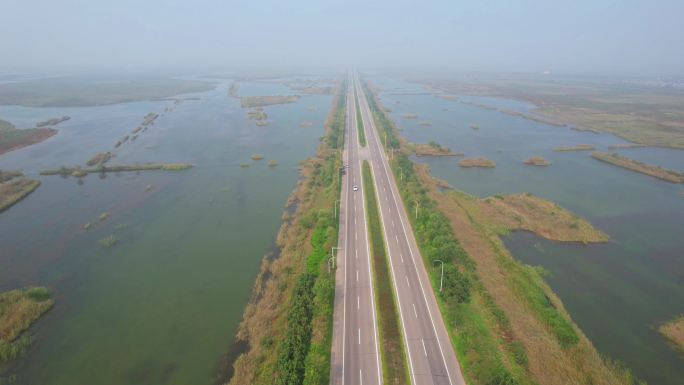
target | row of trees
[
  {"x": 304, "y": 353},
  {"x": 479, "y": 347}
]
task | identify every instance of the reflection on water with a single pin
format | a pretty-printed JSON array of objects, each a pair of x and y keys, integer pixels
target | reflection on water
[
  {"x": 162, "y": 306},
  {"x": 616, "y": 292}
]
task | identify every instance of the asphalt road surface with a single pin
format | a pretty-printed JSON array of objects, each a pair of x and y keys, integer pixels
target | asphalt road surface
[
  {"x": 431, "y": 358},
  {"x": 355, "y": 354}
]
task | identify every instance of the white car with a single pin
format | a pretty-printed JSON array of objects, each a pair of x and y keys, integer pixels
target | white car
[{"x": 356, "y": 188}]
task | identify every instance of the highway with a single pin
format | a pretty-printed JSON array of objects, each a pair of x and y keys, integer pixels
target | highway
[
  {"x": 355, "y": 355},
  {"x": 431, "y": 358}
]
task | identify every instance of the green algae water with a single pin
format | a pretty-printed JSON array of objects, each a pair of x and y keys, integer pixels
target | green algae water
[
  {"x": 163, "y": 304},
  {"x": 619, "y": 292}
]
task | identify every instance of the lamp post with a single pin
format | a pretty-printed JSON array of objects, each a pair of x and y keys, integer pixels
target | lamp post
[
  {"x": 332, "y": 257},
  {"x": 441, "y": 277}
]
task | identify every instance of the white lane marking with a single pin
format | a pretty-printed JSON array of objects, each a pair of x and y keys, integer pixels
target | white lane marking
[
  {"x": 356, "y": 236},
  {"x": 360, "y": 378},
  {"x": 393, "y": 225},
  {"x": 402, "y": 257},
  {"x": 424, "y": 350},
  {"x": 396, "y": 290},
  {"x": 414, "y": 310},
  {"x": 370, "y": 281},
  {"x": 407, "y": 281},
  {"x": 356, "y": 253},
  {"x": 357, "y": 276},
  {"x": 360, "y": 339},
  {"x": 358, "y": 303},
  {"x": 396, "y": 237},
  {"x": 346, "y": 238},
  {"x": 354, "y": 221},
  {"x": 420, "y": 281}
]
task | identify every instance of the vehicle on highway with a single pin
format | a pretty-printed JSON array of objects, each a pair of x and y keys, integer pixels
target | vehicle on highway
[{"x": 356, "y": 188}]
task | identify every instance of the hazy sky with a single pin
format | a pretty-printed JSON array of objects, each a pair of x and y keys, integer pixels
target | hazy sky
[{"x": 634, "y": 36}]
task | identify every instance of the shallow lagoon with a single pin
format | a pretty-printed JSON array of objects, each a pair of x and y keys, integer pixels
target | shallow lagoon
[
  {"x": 617, "y": 292},
  {"x": 163, "y": 304}
]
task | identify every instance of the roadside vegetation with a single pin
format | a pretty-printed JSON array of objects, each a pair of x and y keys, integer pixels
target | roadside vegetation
[
  {"x": 287, "y": 327},
  {"x": 18, "y": 310},
  {"x": 640, "y": 167},
  {"x": 505, "y": 323},
  {"x": 359, "y": 122},
  {"x": 392, "y": 349}
]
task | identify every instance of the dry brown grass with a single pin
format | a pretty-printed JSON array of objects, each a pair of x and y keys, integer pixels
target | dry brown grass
[
  {"x": 674, "y": 332},
  {"x": 432, "y": 150},
  {"x": 537, "y": 161},
  {"x": 15, "y": 190},
  {"x": 476, "y": 162},
  {"x": 261, "y": 101},
  {"x": 643, "y": 168},
  {"x": 548, "y": 362},
  {"x": 579, "y": 147},
  {"x": 19, "y": 309},
  {"x": 264, "y": 320},
  {"x": 644, "y": 115},
  {"x": 542, "y": 217}
]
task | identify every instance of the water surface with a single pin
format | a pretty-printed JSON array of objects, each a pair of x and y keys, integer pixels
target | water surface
[
  {"x": 617, "y": 292},
  {"x": 162, "y": 305}
]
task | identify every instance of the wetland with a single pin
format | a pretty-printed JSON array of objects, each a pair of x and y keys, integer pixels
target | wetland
[
  {"x": 629, "y": 284},
  {"x": 171, "y": 266}
]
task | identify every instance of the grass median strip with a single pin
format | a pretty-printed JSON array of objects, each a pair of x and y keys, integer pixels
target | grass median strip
[
  {"x": 394, "y": 368},
  {"x": 359, "y": 122}
]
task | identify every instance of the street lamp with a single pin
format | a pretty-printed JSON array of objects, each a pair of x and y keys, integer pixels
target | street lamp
[
  {"x": 441, "y": 278},
  {"x": 332, "y": 257}
]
